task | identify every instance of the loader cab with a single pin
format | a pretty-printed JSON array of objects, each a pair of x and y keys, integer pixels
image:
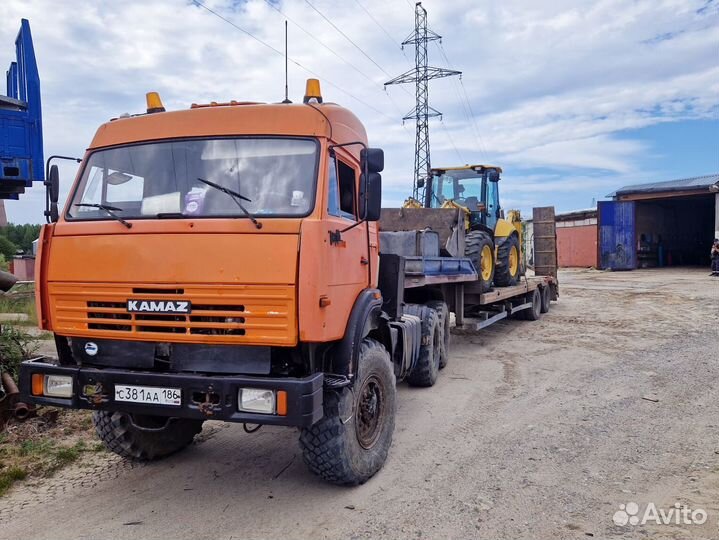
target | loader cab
[{"x": 474, "y": 187}]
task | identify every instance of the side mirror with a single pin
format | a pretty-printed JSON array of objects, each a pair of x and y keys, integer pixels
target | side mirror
[
  {"x": 53, "y": 184},
  {"x": 493, "y": 176},
  {"x": 373, "y": 159},
  {"x": 371, "y": 197},
  {"x": 420, "y": 182}
]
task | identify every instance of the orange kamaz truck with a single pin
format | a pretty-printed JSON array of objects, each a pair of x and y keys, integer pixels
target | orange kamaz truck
[{"x": 225, "y": 262}]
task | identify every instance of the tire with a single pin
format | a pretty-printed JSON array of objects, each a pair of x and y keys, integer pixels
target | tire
[
  {"x": 142, "y": 437},
  {"x": 546, "y": 299},
  {"x": 533, "y": 313},
  {"x": 444, "y": 331},
  {"x": 338, "y": 448},
  {"x": 476, "y": 243},
  {"x": 507, "y": 273},
  {"x": 425, "y": 370}
]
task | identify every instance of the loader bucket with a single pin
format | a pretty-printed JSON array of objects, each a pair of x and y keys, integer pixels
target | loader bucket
[{"x": 447, "y": 222}]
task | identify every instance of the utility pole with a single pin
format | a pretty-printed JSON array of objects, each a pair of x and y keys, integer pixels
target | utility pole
[{"x": 421, "y": 75}]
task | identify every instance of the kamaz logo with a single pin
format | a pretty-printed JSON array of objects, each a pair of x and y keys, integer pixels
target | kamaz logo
[{"x": 158, "y": 306}]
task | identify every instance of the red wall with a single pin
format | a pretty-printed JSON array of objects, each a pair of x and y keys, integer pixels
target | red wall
[
  {"x": 23, "y": 268},
  {"x": 577, "y": 246}
]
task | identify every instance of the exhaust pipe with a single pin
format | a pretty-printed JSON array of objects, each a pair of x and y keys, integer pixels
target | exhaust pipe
[
  {"x": 22, "y": 411},
  {"x": 8, "y": 383}
]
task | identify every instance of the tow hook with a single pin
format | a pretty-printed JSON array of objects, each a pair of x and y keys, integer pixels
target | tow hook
[
  {"x": 207, "y": 401},
  {"x": 94, "y": 394}
]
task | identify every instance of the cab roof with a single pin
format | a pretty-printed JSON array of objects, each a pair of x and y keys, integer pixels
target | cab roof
[
  {"x": 235, "y": 118},
  {"x": 478, "y": 168}
]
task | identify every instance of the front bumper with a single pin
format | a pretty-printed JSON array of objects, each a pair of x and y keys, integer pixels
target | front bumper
[{"x": 204, "y": 397}]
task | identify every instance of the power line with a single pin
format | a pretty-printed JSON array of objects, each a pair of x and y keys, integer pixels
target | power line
[
  {"x": 311, "y": 36},
  {"x": 278, "y": 10},
  {"x": 381, "y": 28},
  {"x": 347, "y": 38},
  {"x": 466, "y": 105},
  {"x": 451, "y": 140},
  {"x": 311, "y": 72}
]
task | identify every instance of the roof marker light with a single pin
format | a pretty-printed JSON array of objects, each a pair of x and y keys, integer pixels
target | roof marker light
[
  {"x": 312, "y": 91},
  {"x": 154, "y": 103}
]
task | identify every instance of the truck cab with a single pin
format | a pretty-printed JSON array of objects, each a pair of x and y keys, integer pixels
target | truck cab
[{"x": 191, "y": 242}]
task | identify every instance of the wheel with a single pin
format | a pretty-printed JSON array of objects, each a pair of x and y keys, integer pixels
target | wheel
[
  {"x": 479, "y": 247},
  {"x": 532, "y": 313},
  {"x": 351, "y": 441},
  {"x": 507, "y": 272},
  {"x": 444, "y": 331},
  {"x": 546, "y": 299},
  {"x": 425, "y": 370},
  {"x": 143, "y": 437}
]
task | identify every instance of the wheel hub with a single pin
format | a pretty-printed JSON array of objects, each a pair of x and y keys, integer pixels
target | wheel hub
[{"x": 369, "y": 415}]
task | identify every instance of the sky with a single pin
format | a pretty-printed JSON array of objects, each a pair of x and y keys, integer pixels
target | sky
[{"x": 573, "y": 99}]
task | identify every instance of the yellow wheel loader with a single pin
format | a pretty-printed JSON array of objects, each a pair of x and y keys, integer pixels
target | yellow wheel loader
[{"x": 491, "y": 240}]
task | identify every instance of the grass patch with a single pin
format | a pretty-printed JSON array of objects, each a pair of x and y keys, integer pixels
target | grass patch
[
  {"x": 20, "y": 300},
  {"x": 16, "y": 345},
  {"x": 42, "y": 446},
  {"x": 9, "y": 476}
]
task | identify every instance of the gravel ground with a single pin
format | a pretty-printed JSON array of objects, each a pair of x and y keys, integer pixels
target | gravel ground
[{"x": 534, "y": 430}]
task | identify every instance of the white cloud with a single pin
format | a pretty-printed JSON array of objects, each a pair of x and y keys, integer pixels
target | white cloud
[{"x": 553, "y": 84}]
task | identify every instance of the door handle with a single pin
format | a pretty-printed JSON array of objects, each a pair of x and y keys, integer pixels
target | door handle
[{"x": 364, "y": 260}]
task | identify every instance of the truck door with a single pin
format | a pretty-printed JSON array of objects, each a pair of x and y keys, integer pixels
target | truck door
[
  {"x": 617, "y": 245},
  {"x": 492, "y": 202},
  {"x": 347, "y": 257}
]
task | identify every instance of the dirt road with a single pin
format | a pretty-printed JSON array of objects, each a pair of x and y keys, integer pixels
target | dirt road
[{"x": 534, "y": 430}]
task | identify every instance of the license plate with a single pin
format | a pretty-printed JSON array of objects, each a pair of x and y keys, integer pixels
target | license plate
[{"x": 148, "y": 394}]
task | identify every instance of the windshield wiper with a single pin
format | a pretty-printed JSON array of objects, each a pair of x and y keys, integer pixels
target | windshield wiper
[
  {"x": 235, "y": 197},
  {"x": 109, "y": 210}
]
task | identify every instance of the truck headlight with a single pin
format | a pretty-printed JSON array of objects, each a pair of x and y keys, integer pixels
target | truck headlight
[
  {"x": 256, "y": 400},
  {"x": 58, "y": 386}
]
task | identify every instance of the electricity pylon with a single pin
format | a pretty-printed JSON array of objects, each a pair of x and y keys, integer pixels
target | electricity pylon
[{"x": 421, "y": 75}]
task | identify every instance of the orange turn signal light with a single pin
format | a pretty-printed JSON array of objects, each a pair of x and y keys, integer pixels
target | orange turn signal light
[
  {"x": 281, "y": 403},
  {"x": 38, "y": 383}
]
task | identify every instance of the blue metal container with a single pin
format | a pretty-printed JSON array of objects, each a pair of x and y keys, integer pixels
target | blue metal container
[{"x": 617, "y": 235}]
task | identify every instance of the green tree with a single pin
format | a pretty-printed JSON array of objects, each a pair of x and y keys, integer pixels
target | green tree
[
  {"x": 7, "y": 248},
  {"x": 22, "y": 236}
]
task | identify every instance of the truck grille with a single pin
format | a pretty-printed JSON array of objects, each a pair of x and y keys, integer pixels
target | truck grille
[{"x": 232, "y": 314}]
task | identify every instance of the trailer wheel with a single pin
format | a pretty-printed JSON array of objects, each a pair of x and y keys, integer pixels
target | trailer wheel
[
  {"x": 533, "y": 313},
  {"x": 351, "y": 441},
  {"x": 425, "y": 370},
  {"x": 143, "y": 437},
  {"x": 479, "y": 247},
  {"x": 508, "y": 262},
  {"x": 444, "y": 330},
  {"x": 546, "y": 299}
]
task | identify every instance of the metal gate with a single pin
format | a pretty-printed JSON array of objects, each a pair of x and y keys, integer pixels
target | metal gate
[{"x": 617, "y": 238}]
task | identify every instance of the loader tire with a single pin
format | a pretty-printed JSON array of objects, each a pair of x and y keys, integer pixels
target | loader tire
[
  {"x": 444, "y": 330},
  {"x": 508, "y": 262},
  {"x": 479, "y": 247},
  {"x": 425, "y": 370},
  {"x": 143, "y": 437},
  {"x": 351, "y": 441}
]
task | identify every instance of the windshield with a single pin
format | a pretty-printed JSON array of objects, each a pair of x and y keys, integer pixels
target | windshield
[
  {"x": 462, "y": 186},
  {"x": 276, "y": 177}
]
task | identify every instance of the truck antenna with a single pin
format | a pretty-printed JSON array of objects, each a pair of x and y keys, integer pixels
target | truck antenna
[{"x": 287, "y": 99}]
